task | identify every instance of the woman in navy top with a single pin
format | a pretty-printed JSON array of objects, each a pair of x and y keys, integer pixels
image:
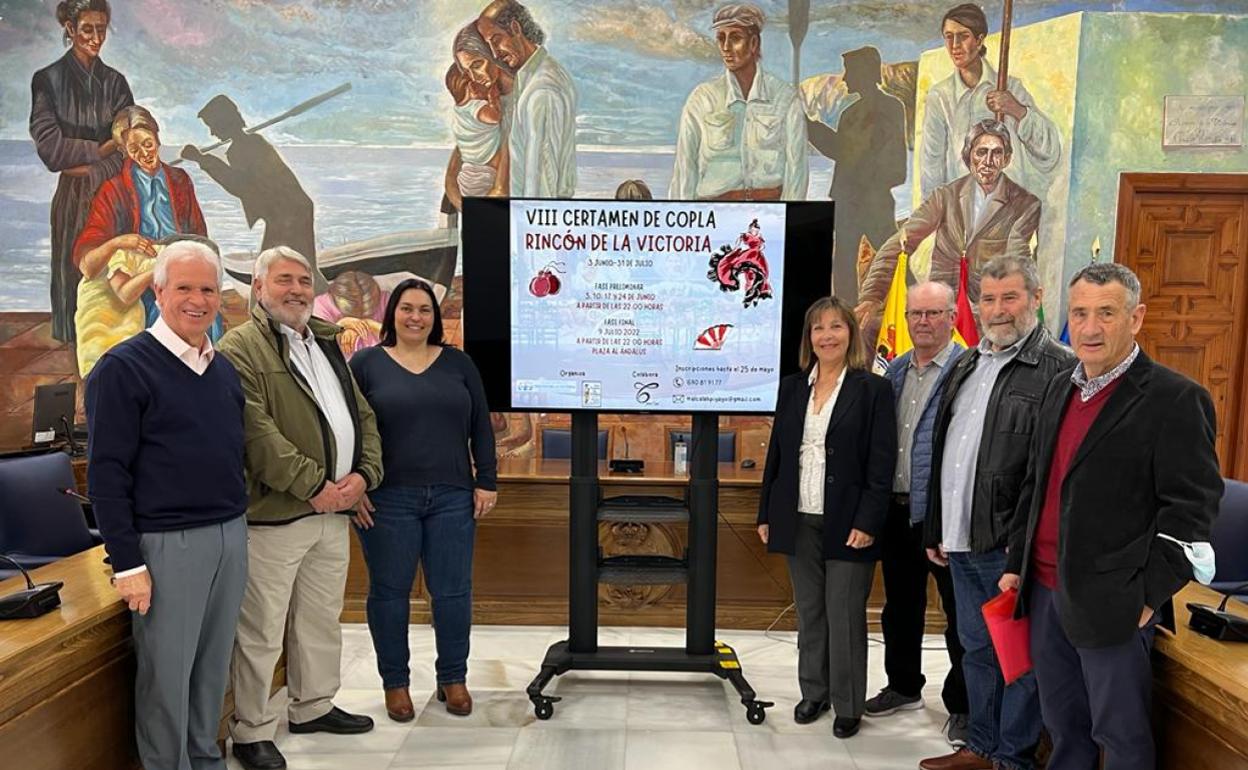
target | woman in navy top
[{"x": 440, "y": 474}]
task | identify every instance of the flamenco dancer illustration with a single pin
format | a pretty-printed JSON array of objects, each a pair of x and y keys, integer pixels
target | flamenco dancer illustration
[{"x": 743, "y": 265}]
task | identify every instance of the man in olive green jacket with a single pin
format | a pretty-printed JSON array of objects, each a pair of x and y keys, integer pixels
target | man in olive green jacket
[{"x": 312, "y": 451}]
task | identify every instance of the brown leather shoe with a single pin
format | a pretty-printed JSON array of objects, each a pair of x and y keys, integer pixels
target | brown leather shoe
[
  {"x": 962, "y": 759},
  {"x": 456, "y": 698},
  {"x": 399, "y": 704}
]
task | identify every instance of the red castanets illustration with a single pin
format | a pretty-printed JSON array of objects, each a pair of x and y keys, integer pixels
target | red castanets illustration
[{"x": 546, "y": 282}]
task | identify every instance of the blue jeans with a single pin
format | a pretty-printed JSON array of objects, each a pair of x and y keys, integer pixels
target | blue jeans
[
  {"x": 1004, "y": 721},
  {"x": 432, "y": 526}
]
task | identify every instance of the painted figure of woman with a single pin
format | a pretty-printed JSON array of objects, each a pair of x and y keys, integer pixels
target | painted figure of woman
[
  {"x": 147, "y": 201},
  {"x": 73, "y": 102}
]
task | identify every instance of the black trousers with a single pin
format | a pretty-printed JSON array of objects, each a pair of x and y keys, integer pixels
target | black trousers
[
  {"x": 906, "y": 567},
  {"x": 1096, "y": 702}
]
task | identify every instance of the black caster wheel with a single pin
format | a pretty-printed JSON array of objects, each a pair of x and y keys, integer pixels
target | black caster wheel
[
  {"x": 755, "y": 714},
  {"x": 544, "y": 710}
]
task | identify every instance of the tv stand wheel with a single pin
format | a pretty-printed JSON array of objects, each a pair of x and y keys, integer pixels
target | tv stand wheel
[
  {"x": 543, "y": 709},
  {"x": 755, "y": 714}
]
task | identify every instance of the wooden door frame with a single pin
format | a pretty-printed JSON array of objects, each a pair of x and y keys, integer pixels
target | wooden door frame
[{"x": 1131, "y": 184}]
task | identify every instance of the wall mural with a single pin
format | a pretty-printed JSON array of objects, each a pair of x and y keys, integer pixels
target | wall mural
[{"x": 352, "y": 132}]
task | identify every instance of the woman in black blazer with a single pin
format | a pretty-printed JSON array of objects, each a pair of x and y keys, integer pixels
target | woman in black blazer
[{"x": 825, "y": 494}]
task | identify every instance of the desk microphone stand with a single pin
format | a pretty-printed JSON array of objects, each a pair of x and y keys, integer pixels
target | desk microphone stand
[{"x": 588, "y": 568}]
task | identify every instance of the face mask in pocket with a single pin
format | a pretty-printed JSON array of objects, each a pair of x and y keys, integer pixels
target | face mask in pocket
[{"x": 1200, "y": 555}]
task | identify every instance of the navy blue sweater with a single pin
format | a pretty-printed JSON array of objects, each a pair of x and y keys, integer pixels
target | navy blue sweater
[
  {"x": 165, "y": 445},
  {"x": 429, "y": 422}
]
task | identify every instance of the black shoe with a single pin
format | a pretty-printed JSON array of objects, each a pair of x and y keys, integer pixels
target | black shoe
[
  {"x": 262, "y": 755},
  {"x": 889, "y": 701},
  {"x": 807, "y": 711},
  {"x": 336, "y": 721},
  {"x": 845, "y": 727}
]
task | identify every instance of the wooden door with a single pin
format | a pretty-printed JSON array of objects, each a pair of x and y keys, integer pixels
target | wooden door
[{"x": 1186, "y": 237}]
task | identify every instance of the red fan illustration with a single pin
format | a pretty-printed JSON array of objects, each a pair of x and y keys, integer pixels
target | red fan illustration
[
  {"x": 546, "y": 282},
  {"x": 742, "y": 265},
  {"x": 712, "y": 338}
]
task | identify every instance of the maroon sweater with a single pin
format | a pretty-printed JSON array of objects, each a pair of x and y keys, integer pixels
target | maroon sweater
[{"x": 1077, "y": 419}]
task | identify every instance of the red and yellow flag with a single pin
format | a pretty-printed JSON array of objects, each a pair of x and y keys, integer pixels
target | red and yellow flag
[{"x": 894, "y": 338}]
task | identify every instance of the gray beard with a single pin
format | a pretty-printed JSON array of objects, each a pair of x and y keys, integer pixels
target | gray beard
[{"x": 283, "y": 316}]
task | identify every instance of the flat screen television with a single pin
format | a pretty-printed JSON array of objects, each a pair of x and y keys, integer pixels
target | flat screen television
[{"x": 640, "y": 306}]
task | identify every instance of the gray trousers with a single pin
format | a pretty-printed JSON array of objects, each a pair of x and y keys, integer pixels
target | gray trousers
[
  {"x": 831, "y": 598},
  {"x": 183, "y": 643}
]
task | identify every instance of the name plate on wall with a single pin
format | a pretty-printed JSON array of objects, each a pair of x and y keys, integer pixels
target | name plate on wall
[{"x": 1203, "y": 121}]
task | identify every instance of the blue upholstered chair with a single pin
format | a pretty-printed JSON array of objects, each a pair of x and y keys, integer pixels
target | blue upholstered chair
[
  {"x": 1230, "y": 541},
  {"x": 557, "y": 444},
  {"x": 39, "y": 523}
]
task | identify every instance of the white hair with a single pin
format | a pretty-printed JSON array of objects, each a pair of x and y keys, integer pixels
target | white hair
[
  {"x": 185, "y": 251},
  {"x": 276, "y": 254}
]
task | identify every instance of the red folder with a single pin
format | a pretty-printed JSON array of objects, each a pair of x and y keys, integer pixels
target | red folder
[{"x": 1011, "y": 638}]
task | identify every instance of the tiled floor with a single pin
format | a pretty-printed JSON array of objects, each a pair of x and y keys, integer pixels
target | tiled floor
[{"x": 609, "y": 720}]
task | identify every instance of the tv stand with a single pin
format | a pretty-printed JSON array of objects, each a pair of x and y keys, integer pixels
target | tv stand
[{"x": 701, "y": 653}]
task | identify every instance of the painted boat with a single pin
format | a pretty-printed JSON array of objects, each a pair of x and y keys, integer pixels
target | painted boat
[{"x": 428, "y": 254}]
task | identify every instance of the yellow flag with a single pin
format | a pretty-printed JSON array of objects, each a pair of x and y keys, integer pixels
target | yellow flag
[{"x": 894, "y": 339}]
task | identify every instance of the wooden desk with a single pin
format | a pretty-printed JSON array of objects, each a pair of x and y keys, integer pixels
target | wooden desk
[
  {"x": 1200, "y": 693},
  {"x": 67, "y": 677},
  {"x": 520, "y": 567}
]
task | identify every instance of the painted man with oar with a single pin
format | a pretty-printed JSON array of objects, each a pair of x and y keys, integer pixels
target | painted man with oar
[{"x": 254, "y": 172}]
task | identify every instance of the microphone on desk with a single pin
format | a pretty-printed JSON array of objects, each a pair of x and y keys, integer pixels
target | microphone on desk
[
  {"x": 74, "y": 449},
  {"x": 74, "y": 494},
  {"x": 33, "y": 601},
  {"x": 1219, "y": 624},
  {"x": 625, "y": 464},
  {"x": 1227, "y": 593}
]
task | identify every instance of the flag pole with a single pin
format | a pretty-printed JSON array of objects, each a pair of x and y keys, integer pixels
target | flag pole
[{"x": 1003, "y": 63}]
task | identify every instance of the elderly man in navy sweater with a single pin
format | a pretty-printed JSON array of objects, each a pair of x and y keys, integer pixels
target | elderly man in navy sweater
[{"x": 166, "y": 479}]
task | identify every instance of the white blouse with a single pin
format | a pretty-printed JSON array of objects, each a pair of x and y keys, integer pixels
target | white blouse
[{"x": 812, "y": 459}]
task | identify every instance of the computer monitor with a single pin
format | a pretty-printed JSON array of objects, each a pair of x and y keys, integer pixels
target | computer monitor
[{"x": 54, "y": 412}]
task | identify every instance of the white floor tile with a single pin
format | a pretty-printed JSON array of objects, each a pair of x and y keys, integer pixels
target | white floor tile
[
  {"x": 677, "y": 706},
  {"x": 568, "y": 750},
  {"x": 680, "y": 750},
  {"x": 436, "y": 746},
  {"x": 768, "y": 751}
]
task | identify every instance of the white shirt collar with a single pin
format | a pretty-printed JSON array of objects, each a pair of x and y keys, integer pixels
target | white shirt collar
[
  {"x": 525, "y": 73},
  {"x": 758, "y": 89},
  {"x": 294, "y": 335},
  {"x": 196, "y": 359},
  {"x": 987, "y": 75}
]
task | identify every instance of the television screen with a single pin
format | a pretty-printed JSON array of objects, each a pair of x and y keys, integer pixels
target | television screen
[{"x": 622, "y": 306}]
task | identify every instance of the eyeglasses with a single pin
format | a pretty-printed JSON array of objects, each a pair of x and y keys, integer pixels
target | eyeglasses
[{"x": 929, "y": 315}]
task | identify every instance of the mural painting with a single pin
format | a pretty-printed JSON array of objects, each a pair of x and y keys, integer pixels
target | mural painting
[{"x": 352, "y": 132}]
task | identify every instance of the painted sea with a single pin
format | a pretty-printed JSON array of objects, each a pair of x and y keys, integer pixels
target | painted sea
[{"x": 360, "y": 192}]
